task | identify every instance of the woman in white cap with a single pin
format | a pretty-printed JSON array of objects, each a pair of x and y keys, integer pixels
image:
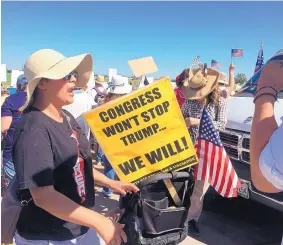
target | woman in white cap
[
  {"x": 201, "y": 89},
  {"x": 52, "y": 160},
  {"x": 117, "y": 87}
]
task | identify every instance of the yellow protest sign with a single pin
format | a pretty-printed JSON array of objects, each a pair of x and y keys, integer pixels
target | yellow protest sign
[{"x": 143, "y": 133}]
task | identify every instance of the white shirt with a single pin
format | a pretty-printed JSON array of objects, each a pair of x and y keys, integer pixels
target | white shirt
[
  {"x": 83, "y": 102},
  {"x": 271, "y": 159}
]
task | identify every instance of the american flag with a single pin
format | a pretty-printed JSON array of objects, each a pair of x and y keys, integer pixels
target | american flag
[
  {"x": 259, "y": 62},
  {"x": 237, "y": 52},
  {"x": 214, "y": 165},
  {"x": 215, "y": 63}
]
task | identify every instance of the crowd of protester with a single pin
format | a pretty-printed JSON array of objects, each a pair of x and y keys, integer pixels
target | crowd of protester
[{"x": 48, "y": 144}]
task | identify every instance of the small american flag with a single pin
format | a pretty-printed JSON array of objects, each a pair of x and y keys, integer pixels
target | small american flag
[
  {"x": 259, "y": 62},
  {"x": 214, "y": 165},
  {"x": 237, "y": 52},
  {"x": 215, "y": 63}
]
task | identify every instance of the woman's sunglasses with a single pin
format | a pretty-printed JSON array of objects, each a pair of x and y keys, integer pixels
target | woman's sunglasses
[{"x": 73, "y": 73}]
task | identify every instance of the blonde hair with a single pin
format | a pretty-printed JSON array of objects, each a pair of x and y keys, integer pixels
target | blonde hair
[{"x": 214, "y": 96}]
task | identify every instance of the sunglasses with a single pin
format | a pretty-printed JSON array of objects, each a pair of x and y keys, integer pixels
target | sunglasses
[{"x": 73, "y": 73}]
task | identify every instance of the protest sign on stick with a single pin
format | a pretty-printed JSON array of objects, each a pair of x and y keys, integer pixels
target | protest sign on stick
[
  {"x": 111, "y": 73},
  {"x": 14, "y": 76},
  {"x": 3, "y": 73},
  {"x": 143, "y": 133},
  {"x": 143, "y": 66}
]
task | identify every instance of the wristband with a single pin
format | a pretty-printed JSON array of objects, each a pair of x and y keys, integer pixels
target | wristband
[
  {"x": 270, "y": 94},
  {"x": 267, "y": 87}
]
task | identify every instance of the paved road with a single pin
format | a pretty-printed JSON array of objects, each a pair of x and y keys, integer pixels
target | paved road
[{"x": 226, "y": 222}]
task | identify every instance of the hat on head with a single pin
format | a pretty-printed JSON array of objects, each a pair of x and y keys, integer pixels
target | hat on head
[
  {"x": 100, "y": 79},
  {"x": 119, "y": 85},
  {"x": 200, "y": 82},
  {"x": 223, "y": 79},
  {"x": 50, "y": 64},
  {"x": 21, "y": 83}
]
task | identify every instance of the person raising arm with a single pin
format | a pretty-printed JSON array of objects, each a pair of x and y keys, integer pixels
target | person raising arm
[{"x": 266, "y": 137}]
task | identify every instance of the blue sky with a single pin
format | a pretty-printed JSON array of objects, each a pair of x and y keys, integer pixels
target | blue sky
[{"x": 115, "y": 32}]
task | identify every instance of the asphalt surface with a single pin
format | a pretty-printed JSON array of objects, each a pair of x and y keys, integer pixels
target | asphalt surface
[{"x": 226, "y": 222}]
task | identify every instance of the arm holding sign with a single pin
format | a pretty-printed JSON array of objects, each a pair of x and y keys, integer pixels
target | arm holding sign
[{"x": 117, "y": 186}]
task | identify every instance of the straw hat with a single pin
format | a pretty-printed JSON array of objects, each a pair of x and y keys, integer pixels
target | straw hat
[
  {"x": 100, "y": 79},
  {"x": 223, "y": 79},
  {"x": 50, "y": 64},
  {"x": 119, "y": 85},
  {"x": 200, "y": 83}
]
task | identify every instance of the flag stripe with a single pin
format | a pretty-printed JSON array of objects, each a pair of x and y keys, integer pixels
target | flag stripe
[
  {"x": 201, "y": 159},
  {"x": 219, "y": 173},
  {"x": 206, "y": 160},
  {"x": 227, "y": 176},
  {"x": 208, "y": 176},
  {"x": 211, "y": 169},
  {"x": 215, "y": 165}
]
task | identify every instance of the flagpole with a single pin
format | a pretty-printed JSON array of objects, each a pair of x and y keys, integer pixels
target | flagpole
[{"x": 231, "y": 57}]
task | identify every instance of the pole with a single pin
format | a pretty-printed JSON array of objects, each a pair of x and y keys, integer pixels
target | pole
[{"x": 231, "y": 57}]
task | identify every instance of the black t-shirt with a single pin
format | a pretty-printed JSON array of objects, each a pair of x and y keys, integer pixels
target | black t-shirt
[{"x": 45, "y": 153}]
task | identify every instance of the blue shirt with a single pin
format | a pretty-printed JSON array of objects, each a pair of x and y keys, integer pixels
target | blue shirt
[{"x": 11, "y": 108}]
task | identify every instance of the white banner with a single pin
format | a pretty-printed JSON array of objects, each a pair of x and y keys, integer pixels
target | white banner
[
  {"x": 3, "y": 73},
  {"x": 14, "y": 77}
]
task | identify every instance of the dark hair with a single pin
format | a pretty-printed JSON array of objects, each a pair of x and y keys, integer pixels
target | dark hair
[
  {"x": 183, "y": 76},
  {"x": 33, "y": 98}
]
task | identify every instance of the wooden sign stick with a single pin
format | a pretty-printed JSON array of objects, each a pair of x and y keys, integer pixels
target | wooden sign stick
[{"x": 173, "y": 192}]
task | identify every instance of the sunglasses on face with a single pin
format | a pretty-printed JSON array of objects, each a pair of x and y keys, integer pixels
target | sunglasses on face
[{"x": 73, "y": 73}]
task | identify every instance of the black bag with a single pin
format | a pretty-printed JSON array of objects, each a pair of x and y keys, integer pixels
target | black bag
[
  {"x": 151, "y": 216},
  {"x": 11, "y": 207}
]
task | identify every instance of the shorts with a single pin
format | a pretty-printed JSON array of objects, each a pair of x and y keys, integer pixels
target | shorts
[{"x": 90, "y": 238}]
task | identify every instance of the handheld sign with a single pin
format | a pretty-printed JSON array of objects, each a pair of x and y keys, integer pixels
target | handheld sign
[
  {"x": 3, "y": 73},
  {"x": 143, "y": 133},
  {"x": 143, "y": 66}
]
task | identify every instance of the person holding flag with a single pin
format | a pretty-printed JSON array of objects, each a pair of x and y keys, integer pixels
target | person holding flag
[
  {"x": 259, "y": 61},
  {"x": 201, "y": 90}
]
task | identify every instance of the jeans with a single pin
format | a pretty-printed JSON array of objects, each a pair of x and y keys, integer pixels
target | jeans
[
  {"x": 99, "y": 155},
  {"x": 109, "y": 172},
  {"x": 90, "y": 238}
]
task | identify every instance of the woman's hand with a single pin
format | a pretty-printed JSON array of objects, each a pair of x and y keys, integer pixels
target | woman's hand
[
  {"x": 111, "y": 232},
  {"x": 123, "y": 187},
  {"x": 231, "y": 68},
  {"x": 190, "y": 121}
]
